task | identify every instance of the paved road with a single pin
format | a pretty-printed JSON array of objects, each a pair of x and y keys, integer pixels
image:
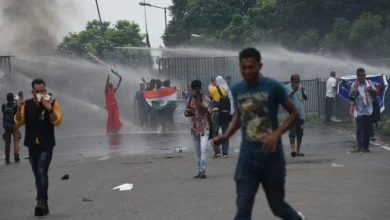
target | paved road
[{"x": 328, "y": 183}]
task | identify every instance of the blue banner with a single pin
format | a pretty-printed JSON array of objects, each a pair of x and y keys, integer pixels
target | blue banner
[{"x": 379, "y": 81}]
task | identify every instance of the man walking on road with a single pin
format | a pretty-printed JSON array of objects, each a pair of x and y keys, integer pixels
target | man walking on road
[
  {"x": 362, "y": 93},
  {"x": 39, "y": 115},
  {"x": 298, "y": 95},
  {"x": 198, "y": 110},
  {"x": 9, "y": 110},
  {"x": 261, "y": 160},
  {"x": 330, "y": 96}
]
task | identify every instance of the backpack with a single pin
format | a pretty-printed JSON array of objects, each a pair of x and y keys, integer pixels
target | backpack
[
  {"x": 224, "y": 105},
  {"x": 8, "y": 116}
]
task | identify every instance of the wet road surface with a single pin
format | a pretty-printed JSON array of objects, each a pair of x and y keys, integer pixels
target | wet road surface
[
  {"x": 77, "y": 148},
  {"x": 328, "y": 183}
]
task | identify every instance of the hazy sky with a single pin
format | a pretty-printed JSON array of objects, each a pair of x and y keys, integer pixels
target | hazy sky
[{"x": 113, "y": 10}]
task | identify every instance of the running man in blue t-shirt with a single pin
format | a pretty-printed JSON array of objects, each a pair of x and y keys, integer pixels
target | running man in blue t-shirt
[{"x": 261, "y": 161}]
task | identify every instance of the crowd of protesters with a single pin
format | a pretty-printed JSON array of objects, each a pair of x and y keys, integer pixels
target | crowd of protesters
[{"x": 149, "y": 117}]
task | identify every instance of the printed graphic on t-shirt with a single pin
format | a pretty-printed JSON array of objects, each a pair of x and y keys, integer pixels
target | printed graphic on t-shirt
[{"x": 254, "y": 113}]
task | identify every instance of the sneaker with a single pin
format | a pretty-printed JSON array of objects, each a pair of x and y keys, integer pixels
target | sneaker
[
  {"x": 366, "y": 151},
  {"x": 203, "y": 175},
  {"x": 356, "y": 150},
  {"x": 197, "y": 176},
  {"x": 225, "y": 156},
  {"x": 16, "y": 158},
  {"x": 301, "y": 215},
  {"x": 216, "y": 155}
]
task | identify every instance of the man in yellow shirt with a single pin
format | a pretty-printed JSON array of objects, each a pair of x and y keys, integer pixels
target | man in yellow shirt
[
  {"x": 39, "y": 115},
  {"x": 221, "y": 111}
]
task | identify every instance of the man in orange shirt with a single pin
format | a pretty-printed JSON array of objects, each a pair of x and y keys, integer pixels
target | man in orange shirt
[{"x": 39, "y": 115}]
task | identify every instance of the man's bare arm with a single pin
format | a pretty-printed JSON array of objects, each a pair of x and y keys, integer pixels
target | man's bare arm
[
  {"x": 291, "y": 119},
  {"x": 119, "y": 83}
]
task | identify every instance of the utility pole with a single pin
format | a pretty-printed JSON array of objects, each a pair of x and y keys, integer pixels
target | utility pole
[{"x": 101, "y": 23}]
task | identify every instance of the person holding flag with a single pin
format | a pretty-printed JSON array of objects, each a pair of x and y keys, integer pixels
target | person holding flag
[
  {"x": 362, "y": 94},
  {"x": 113, "y": 122}
]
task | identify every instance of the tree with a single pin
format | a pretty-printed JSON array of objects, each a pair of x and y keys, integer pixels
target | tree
[
  {"x": 308, "y": 42},
  {"x": 337, "y": 40},
  {"x": 122, "y": 34},
  {"x": 360, "y": 28},
  {"x": 363, "y": 30},
  {"x": 202, "y": 17}
]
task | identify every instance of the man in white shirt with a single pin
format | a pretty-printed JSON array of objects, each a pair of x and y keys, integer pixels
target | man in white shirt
[{"x": 330, "y": 95}]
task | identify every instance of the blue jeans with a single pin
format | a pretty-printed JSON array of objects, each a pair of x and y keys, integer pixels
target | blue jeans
[
  {"x": 40, "y": 159},
  {"x": 200, "y": 148},
  {"x": 269, "y": 170},
  {"x": 363, "y": 131}
]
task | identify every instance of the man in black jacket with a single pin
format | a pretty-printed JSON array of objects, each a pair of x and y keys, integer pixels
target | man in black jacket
[
  {"x": 9, "y": 110},
  {"x": 39, "y": 115}
]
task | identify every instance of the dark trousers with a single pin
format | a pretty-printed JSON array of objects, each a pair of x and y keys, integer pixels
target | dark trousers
[
  {"x": 329, "y": 108},
  {"x": 363, "y": 131},
  {"x": 296, "y": 131},
  {"x": 269, "y": 170},
  {"x": 374, "y": 126},
  {"x": 143, "y": 117},
  {"x": 218, "y": 122},
  {"x": 40, "y": 159}
]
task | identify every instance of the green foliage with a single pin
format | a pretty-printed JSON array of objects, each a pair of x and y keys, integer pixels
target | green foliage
[
  {"x": 361, "y": 28},
  {"x": 122, "y": 34},
  {"x": 384, "y": 127}
]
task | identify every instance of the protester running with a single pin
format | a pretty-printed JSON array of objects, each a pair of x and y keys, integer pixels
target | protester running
[
  {"x": 261, "y": 160},
  {"x": 297, "y": 94},
  {"x": 39, "y": 115}
]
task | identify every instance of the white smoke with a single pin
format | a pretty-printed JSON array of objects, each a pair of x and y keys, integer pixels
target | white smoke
[{"x": 28, "y": 26}]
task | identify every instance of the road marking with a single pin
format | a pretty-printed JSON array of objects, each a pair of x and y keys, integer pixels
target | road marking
[
  {"x": 386, "y": 148},
  {"x": 298, "y": 203},
  {"x": 337, "y": 165},
  {"x": 104, "y": 158}
]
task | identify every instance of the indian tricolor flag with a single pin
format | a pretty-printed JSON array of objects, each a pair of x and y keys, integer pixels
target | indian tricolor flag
[{"x": 159, "y": 99}]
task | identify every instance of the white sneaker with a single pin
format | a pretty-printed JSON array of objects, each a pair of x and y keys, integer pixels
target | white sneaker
[{"x": 301, "y": 215}]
